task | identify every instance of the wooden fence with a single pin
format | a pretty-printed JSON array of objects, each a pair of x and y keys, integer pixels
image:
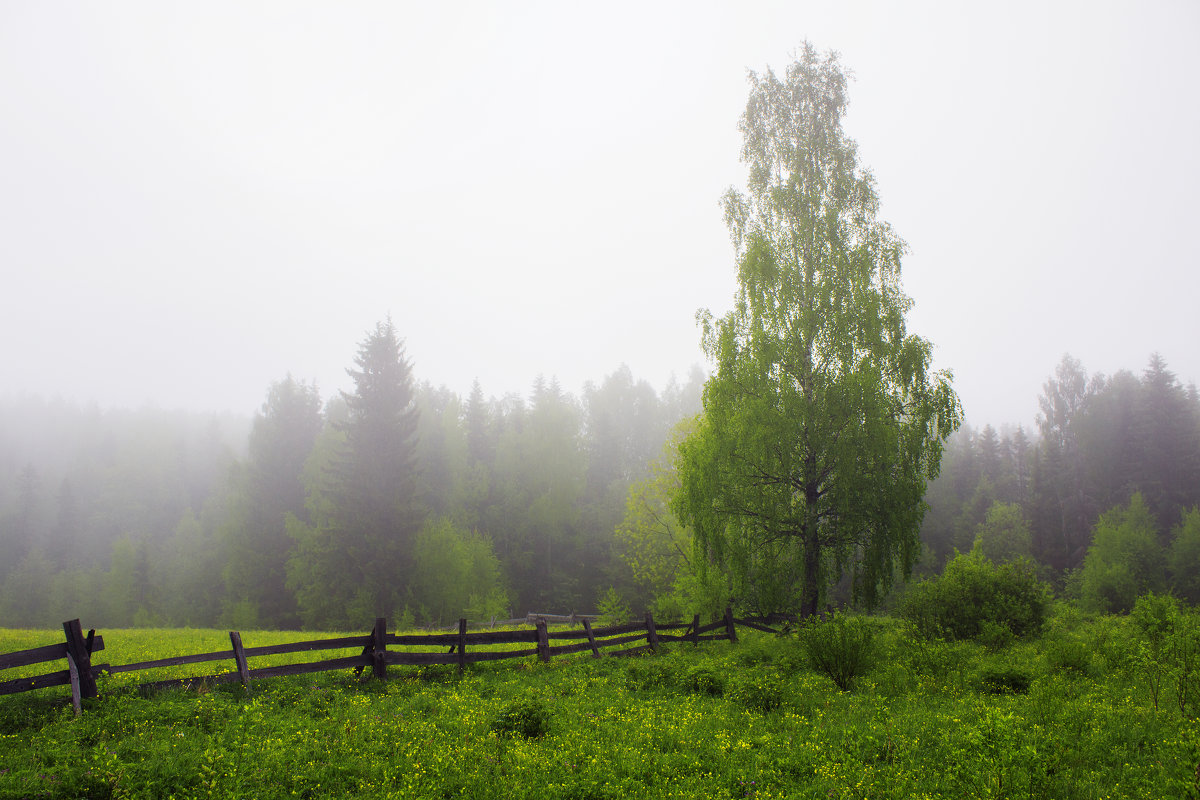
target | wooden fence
[
  {"x": 80, "y": 672},
  {"x": 463, "y": 648}
]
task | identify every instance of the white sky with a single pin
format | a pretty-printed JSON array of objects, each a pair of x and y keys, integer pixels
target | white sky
[{"x": 196, "y": 199}]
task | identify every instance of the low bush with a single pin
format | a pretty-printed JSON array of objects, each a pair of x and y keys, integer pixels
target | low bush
[
  {"x": 703, "y": 679},
  {"x": 841, "y": 646},
  {"x": 1068, "y": 653},
  {"x": 1005, "y": 680},
  {"x": 649, "y": 673},
  {"x": 528, "y": 718},
  {"x": 759, "y": 691},
  {"x": 973, "y": 598}
]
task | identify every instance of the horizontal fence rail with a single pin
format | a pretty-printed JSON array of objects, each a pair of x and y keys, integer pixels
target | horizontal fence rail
[
  {"x": 462, "y": 648},
  {"x": 80, "y": 673}
]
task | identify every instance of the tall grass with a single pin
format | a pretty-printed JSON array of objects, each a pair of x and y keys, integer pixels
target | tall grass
[{"x": 719, "y": 720}]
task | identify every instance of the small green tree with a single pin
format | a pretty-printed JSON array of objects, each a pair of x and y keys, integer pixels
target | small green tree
[
  {"x": 1184, "y": 558},
  {"x": 649, "y": 539},
  {"x": 1124, "y": 561},
  {"x": 456, "y": 574},
  {"x": 1004, "y": 535},
  {"x": 822, "y": 421}
]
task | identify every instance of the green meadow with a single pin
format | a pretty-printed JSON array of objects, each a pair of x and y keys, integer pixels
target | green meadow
[{"x": 1084, "y": 711}]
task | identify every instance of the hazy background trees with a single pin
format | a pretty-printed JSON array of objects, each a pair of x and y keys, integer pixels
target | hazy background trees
[
  {"x": 400, "y": 497},
  {"x": 536, "y": 503},
  {"x": 1107, "y": 492}
]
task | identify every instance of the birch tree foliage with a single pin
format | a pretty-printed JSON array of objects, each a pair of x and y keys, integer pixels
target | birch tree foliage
[{"x": 823, "y": 418}]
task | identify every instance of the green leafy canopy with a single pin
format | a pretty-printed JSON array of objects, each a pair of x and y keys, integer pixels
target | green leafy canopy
[{"x": 823, "y": 419}]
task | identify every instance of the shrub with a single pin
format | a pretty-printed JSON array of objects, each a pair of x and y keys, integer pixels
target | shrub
[
  {"x": 1068, "y": 653},
  {"x": 932, "y": 657},
  {"x": 842, "y": 647},
  {"x": 1156, "y": 616},
  {"x": 1125, "y": 559},
  {"x": 613, "y": 608},
  {"x": 757, "y": 692},
  {"x": 528, "y": 718},
  {"x": 994, "y": 635},
  {"x": 1169, "y": 656},
  {"x": 755, "y": 652},
  {"x": 649, "y": 673},
  {"x": 704, "y": 680},
  {"x": 1184, "y": 556},
  {"x": 972, "y": 591},
  {"x": 1005, "y": 680}
]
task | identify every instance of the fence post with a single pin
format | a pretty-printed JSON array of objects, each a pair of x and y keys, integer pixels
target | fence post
[
  {"x": 587, "y": 628},
  {"x": 462, "y": 643},
  {"x": 76, "y": 703},
  {"x": 378, "y": 647},
  {"x": 651, "y": 632},
  {"x": 543, "y": 643},
  {"x": 695, "y": 630},
  {"x": 729, "y": 629},
  {"x": 77, "y": 651},
  {"x": 239, "y": 655}
]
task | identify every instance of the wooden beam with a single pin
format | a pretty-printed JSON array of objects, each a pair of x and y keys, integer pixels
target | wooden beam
[
  {"x": 651, "y": 632},
  {"x": 239, "y": 656},
  {"x": 77, "y": 649},
  {"x": 543, "y": 641},
  {"x": 379, "y": 649},
  {"x": 587, "y": 628}
]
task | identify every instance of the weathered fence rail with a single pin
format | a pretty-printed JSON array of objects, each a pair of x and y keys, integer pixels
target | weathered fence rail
[
  {"x": 80, "y": 673},
  {"x": 463, "y": 648}
]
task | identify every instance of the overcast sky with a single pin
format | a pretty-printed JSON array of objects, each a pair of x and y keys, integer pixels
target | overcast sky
[{"x": 197, "y": 199}]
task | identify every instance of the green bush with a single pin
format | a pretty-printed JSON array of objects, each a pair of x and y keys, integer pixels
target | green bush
[
  {"x": 842, "y": 647},
  {"x": 528, "y": 718},
  {"x": 995, "y": 635},
  {"x": 1125, "y": 559},
  {"x": 1069, "y": 654},
  {"x": 1156, "y": 616},
  {"x": 613, "y": 608},
  {"x": 933, "y": 657},
  {"x": 973, "y": 597},
  {"x": 762, "y": 691},
  {"x": 649, "y": 673},
  {"x": 703, "y": 679},
  {"x": 1005, "y": 680},
  {"x": 1169, "y": 655}
]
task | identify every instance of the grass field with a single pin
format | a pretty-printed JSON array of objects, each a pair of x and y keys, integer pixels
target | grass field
[{"x": 1071, "y": 715}]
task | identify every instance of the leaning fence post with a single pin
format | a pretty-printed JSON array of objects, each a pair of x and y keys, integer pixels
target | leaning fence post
[
  {"x": 76, "y": 703},
  {"x": 239, "y": 655},
  {"x": 378, "y": 648},
  {"x": 543, "y": 640},
  {"x": 729, "y": 629},
  {"x": 587, "y": 628},
  {"x": 651, "y": 632},
  {"x": 77, "y": 651}
]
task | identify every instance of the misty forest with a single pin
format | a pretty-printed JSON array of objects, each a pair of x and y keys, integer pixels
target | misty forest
[
  {"x": 962, "y": 609},
  {"x": 822, "y": 463},
  {"x": 549, "y": 503}
]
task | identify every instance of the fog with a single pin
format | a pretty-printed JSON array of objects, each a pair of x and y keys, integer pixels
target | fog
[{"x": 197, "y": 200}]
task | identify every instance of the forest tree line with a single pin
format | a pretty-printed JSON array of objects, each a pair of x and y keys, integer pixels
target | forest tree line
[
  {"x": 544, "y": 503},
  {"x": 1104, "y": 497},
  {"x": 397, "y": 498}
]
